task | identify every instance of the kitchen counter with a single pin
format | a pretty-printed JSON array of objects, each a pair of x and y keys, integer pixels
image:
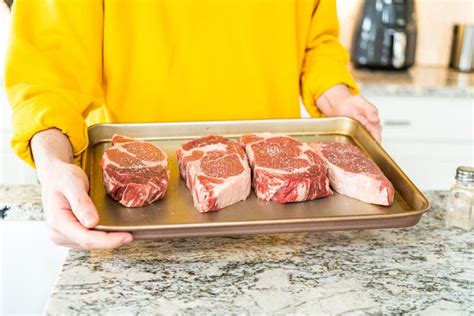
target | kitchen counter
[
  {"x": 417, "y": 82},
  {"x": 21, "y": 203},
  {"x": 424, "y": 269}
]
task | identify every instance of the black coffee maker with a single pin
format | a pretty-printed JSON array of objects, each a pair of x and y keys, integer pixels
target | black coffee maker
[{"x": 385, "y": 35}]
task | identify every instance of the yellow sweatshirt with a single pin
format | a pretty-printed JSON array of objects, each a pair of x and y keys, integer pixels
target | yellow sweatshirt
[{"x": 167, "y": 60}]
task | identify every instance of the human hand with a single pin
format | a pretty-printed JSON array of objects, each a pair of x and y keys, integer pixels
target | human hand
[
  {"x": 338, "y": 101},
  {"x": 69, "y": 211}
]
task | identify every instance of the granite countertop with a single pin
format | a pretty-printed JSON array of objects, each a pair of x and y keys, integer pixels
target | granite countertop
[
  {"x": 21, "y": 203},
  {"x": 425, "y": 269},
  {"x": 417, "y": 81}
]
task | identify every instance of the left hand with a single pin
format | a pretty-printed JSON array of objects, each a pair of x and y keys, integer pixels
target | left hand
[{"x": 338, "y": 101}]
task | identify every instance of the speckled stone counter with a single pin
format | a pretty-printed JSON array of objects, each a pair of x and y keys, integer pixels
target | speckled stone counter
[
  {"x": 21, "y": 203},
  {"x": 416, "y": 82},
  {"x": 426, "y": 269}
]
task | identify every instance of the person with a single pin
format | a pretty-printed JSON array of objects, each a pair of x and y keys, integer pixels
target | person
[{"x": 71, "y": 63}]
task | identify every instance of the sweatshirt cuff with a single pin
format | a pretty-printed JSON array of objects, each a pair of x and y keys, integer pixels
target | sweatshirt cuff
[
  {"x": 322, "y": 77},
  {"x": 41, "y": 113}
]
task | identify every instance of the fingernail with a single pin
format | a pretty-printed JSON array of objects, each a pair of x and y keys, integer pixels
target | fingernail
[
  {"x": 127, "y": 239},
  {"x": 89, "y": 219}
]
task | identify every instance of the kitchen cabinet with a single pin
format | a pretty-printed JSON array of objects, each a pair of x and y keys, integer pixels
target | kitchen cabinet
[
  {"x": 29, "y": 267},
  {"x": 428, "y": 137},
  {"x": 426, "y": 118}
]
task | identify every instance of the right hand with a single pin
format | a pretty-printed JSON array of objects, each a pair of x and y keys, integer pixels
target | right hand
[
  {"x": 69, "y": 211},
  {"x": 339, "y": 101}
]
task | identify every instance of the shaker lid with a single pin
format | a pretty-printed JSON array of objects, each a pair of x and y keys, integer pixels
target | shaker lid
[{"x": 465, "y": 173}]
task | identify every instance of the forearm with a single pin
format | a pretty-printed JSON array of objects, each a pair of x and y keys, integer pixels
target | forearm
[{"x": 48, "y": 148}]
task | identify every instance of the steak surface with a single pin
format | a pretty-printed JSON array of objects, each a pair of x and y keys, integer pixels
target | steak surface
[
  {"x": 352, "y": 173},
  {"x": 135, "y": 172},
  {"x": 285, "y": 169},
  {"x": 216, "y": 172}
]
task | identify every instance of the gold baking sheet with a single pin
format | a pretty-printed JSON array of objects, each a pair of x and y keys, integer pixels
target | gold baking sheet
[{"x": 175, "y": 215}]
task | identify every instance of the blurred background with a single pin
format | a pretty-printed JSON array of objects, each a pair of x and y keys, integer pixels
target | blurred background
[{"x": 435, "y": 20}]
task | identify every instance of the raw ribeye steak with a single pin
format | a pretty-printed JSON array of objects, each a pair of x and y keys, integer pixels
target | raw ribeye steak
[
  {"x": 216, "y": 172},
  {"x": 135, "y": 172},
  {"x": 352, "y": 173},
  {"x": 285, "y": 169}
]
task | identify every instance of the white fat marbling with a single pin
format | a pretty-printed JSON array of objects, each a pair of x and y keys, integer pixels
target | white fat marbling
[{"x": 426, "y": 269}]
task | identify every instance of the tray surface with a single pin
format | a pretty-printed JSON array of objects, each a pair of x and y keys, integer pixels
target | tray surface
[{"x": 175, "y": 215}]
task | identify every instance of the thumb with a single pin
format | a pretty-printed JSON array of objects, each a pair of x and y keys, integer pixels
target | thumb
[{"x": 82, "y": 207}]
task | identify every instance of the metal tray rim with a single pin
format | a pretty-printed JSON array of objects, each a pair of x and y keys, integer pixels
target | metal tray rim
[
  {"x": 264, "y": 222},
  {"x": 93, "y": 127},
  {"x": 425, "y": 205}
]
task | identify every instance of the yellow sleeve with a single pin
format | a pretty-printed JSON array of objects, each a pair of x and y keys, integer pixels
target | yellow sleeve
[
  {"x": 54, "y": 69},
  {"x": 326, "y": 61}
]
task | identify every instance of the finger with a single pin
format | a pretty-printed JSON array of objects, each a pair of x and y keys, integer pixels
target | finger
[
  {"x": 68, "y": 232},
  {"x": 373, "y": 129},
  {"x": 376, "y": 131},
  {"x": 59, "y": 239},
  {"x": 371, "y": 112},
  {"x": 362, "y": 119},
  {"x": 82, "y": 238},
  {"x": 372, "y": 115},
  {"x": 82, "y": 207},
  {"x": 55, "y": 237}
]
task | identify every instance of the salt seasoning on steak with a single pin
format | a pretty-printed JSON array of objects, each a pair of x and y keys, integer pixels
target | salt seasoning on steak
[
  {"x": 135, "y": 172},
  {"x": 216, "y": 172},
  {"x": 352, "y": 173},
  {"x": 285, "y": 169}
]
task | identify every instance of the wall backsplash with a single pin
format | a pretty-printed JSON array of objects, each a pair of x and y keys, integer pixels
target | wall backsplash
[{"x": 435, "y": 22}]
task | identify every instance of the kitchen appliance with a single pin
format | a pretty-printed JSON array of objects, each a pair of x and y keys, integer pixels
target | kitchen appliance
[
  {"x": 462, "y": 48},
  {"x": 175, "y": 215},
  {"x": 385, "y": 35}
]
